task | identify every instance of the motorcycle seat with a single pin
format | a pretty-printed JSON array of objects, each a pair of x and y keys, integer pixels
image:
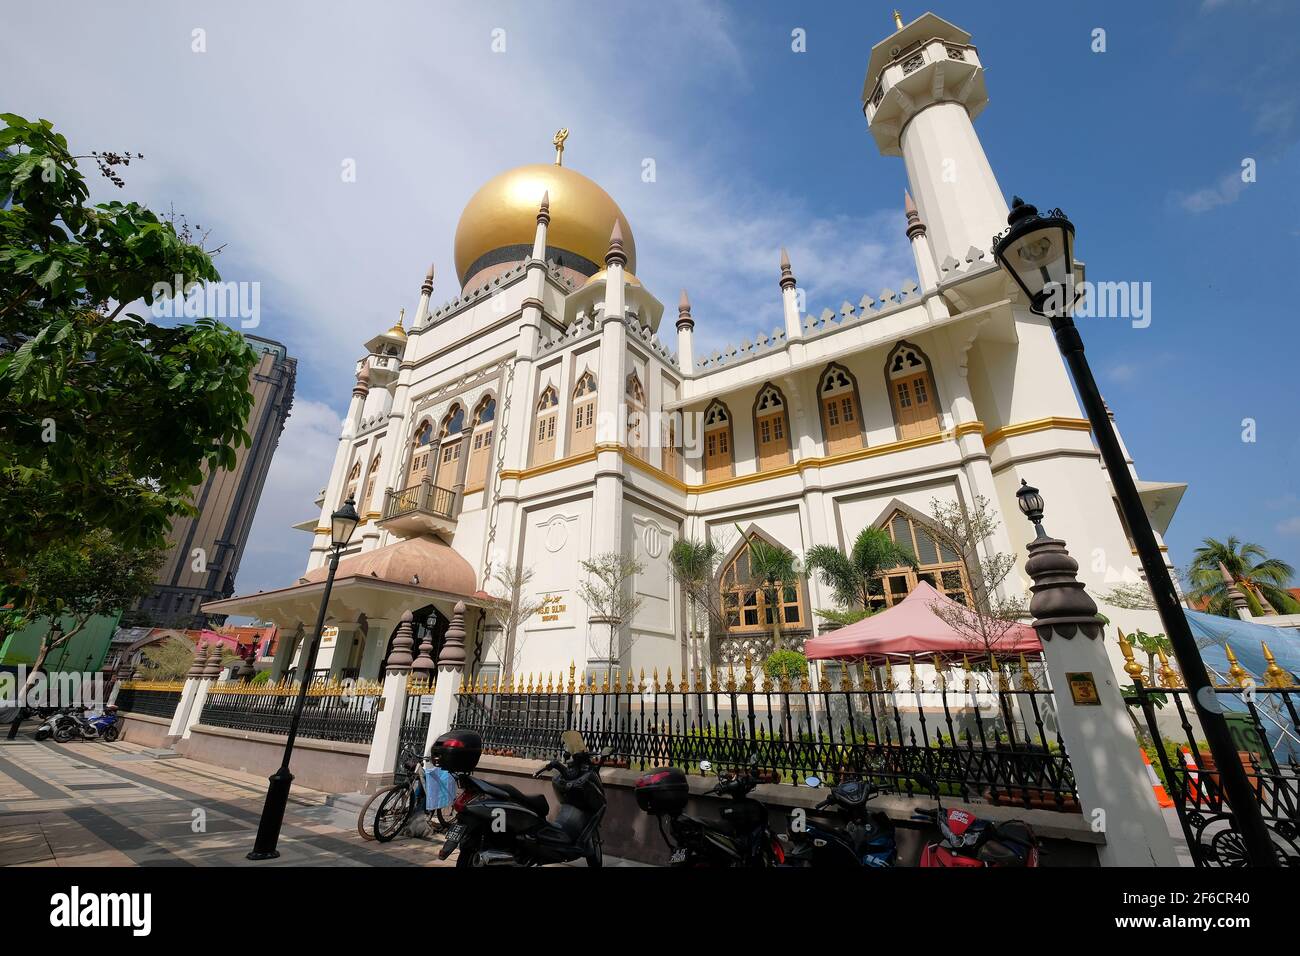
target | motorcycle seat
[{"x": 537, "y": 803}]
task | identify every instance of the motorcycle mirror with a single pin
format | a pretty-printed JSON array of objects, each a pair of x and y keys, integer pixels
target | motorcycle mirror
[
  {"x": 812, "y": 781},
  {"x": 705, "y": 766},
  {"x": 572, "y": 742},
  {"x": 926, "y": 782}
]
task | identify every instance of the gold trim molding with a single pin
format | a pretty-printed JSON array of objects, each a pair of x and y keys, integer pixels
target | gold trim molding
[{"x": 1037, "y": 425}]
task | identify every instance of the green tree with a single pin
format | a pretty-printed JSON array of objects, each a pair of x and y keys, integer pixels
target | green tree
[
  {"x": 772, "y": 568},
  {"x": 78, "y": 581},
  {"x": 1151, "y": 645},
  {"x": 610, "y": 596},
  {"x": 1261, "y": 579},
  {"x": 106, "y": 419},
  {"x": 854, "y": 578},
  {"x": 693, "y": 564},
  {"x": 169, "y": 659},
  {"x": 786, "y": 664}
]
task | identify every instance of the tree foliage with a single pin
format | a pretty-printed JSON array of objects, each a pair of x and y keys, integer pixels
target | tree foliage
[
  {"x": 966, "y": 529},
  {"x": 693, "y": 565},
  {"x": 106, "y": 418},
  {"x": 610, "y": 596},
  {"x": 1261, "y": 579},
  {"x": 771, "y": 568},
  {"x": 511, "y": 607},
  {"x": 854, "y": 578},
  {"x": 169, "y": 659}
]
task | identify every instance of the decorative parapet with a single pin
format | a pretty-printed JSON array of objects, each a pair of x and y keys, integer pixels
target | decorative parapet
[
  {"x": 496, "y": 284},
  {"x": 167, "y": 686}
]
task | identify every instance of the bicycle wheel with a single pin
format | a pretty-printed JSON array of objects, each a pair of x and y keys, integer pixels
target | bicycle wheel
[
  {"x": 366, "y": 818},
  {"x": 392, "y": 814}
]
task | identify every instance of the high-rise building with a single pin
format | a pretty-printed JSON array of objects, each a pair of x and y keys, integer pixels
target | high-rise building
[{"x": 204, "y": 551}]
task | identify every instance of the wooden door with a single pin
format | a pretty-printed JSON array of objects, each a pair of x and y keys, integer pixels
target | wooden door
[
  {"x": 914, "y": 399},
  {"x": 840, "y": 414},
  {"x": 544, "y": 445},
  {"x": 773, "y": 450},
  {"x": 717, "y": 455}
]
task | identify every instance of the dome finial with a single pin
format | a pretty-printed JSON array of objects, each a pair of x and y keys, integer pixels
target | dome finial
[
  {"x": 616, "y": 253},
  {"x": 558, "y": 142},
  {"x": 898, "y": 21}
]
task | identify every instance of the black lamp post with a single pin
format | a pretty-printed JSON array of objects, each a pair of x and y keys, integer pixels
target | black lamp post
[
  {"x": 1038, "y": 253},
  {"x": 342, "y": 523}
]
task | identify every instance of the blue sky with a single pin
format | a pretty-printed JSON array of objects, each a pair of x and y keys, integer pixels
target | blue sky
[{"x": 755, "y": 147}]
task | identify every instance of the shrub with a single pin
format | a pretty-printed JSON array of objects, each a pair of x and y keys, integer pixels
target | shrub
[{"x": 788, "y": 664}]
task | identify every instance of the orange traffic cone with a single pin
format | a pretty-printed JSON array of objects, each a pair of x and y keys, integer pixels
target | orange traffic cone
[
  {"x": 1193, "y": 777},
  {"x": 1158, "y": 788}
]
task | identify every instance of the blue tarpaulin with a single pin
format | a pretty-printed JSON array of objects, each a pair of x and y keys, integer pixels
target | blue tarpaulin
[{"x": 439, "y": 788}]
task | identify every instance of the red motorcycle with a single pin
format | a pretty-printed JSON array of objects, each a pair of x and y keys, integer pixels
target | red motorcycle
[{"x": 967, "y": 840}]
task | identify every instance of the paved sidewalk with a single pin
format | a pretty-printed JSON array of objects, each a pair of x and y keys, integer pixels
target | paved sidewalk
[{"x": 91, "y": 803}]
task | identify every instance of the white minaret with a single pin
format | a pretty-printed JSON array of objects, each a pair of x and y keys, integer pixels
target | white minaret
[
  {"x": 685, "y": 336},
  {"x": 924, "y": 86}
]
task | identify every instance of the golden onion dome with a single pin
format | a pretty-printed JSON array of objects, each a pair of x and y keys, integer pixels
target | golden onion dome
[{"x": 500, "y": 221}]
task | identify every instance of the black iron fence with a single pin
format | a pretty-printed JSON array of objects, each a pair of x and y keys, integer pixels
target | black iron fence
[
  {"x": 979, "y": 736},
  {"x": 1263, "y": 722},
  {"x": 335, "y": 711},
  {"x": 155, "y": 698}
]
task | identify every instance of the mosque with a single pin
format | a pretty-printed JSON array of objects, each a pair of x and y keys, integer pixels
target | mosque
[{"x": 546, "y": 416}]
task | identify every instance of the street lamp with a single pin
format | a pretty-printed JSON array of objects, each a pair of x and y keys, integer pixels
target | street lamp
[
  {"x": 342, "y": 524},
  {"x": 1037, "y": 251}
]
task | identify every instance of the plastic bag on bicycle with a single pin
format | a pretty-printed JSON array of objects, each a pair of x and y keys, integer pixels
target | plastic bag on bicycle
[{"x": 439, "y": 788}]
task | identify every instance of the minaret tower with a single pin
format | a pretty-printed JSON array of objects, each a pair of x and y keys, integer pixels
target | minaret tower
[{"x": 924, "y": 87}]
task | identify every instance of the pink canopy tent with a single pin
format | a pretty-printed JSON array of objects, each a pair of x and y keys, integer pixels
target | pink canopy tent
[{"x": 911, "y": 627}]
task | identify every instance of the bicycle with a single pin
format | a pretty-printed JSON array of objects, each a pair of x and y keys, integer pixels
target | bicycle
[{"x": 401, "y": 802}]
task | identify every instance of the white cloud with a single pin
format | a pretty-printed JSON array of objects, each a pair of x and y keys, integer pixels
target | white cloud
[
  {"x": 1289, "y": 526},
  {"x": 1225, "y": 192}
]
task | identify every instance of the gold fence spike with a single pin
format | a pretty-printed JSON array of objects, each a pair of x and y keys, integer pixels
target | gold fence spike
[
  {"x": 1274, "y": 675},
  {"x": 572, "y": 668},
  {"x": 1131, "y": 667},
  {"x": 731, "y": 679},
  {"x": 604, "y": 682},
  {"x": 1027, "y": 681},
  {"x": 640, "y": 687},
  {"x": 804, "y": 686},
  {"x": 784, "y": 681},
  {"x": 911, "y": 670},
  {"x": 823, "y": 683},
  {"x": 1168, "y": 676},
  {"x": 868, "y": 681},
  {"x": 749, "y": 672},
  {"x": 1237, "y": 675},
  {"x": 655, "y": 678}
]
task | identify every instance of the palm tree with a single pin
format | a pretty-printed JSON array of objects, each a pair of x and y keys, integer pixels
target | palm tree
[
  {"x": 853, "y": 576},
  {"x": 772, "y": 568},
  {"x": 1261, "y": 579},
  {"x": 692, "y": 564}
]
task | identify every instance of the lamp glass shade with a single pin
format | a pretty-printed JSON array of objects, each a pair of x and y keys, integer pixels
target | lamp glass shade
[
  {"x": 343, "y": 522},
  {"x": 1030, "y": 501},
  {"x": 1038, "y": 253}
]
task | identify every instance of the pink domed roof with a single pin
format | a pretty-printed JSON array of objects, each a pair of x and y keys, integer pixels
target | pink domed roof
[{"x": 423, "y": 562}]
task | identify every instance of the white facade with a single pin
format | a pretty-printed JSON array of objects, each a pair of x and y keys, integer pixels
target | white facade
[{"x": 948, "y": 389}]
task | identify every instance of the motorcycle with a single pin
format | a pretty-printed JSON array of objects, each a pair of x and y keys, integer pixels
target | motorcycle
[
  {"x": 967, "y": 840},
  {"x": 77, "y": 723},
  {"x": 51, "y": 720},
  {"x": 741, "y": 839},
  {"x": 497, "y": 825},
  {"x": 865, "y": 837}
]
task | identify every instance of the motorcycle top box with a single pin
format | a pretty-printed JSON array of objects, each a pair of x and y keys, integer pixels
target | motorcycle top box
[
  {"x": 457, "y": 751},
  {"x": 662, "y": 790}
]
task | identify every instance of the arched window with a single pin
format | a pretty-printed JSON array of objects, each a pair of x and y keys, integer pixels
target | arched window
[
  {"x": 745, "y": 607},
  {"x": 771, "y": 429},
  {"x": 350, "y": 488},
  {"x": 634, "y": 394},
  {"x": 841, "y": 413},
  {"x": 584, "y": 415},
  {"x": 420, "y": 448},
  {"x": 449, "y": 442},
  {"x": 480, "y": 449},
  {"x": 372, "y": 479},
  {"x": 937, "y": 563},
  {"x": 548, "y": 409},
  {"x": 717, "y": 443},
  {"x": 912, "y": 393}
]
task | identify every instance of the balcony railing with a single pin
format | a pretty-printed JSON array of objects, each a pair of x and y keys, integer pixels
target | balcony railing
[{"x": 423, "y": 507}]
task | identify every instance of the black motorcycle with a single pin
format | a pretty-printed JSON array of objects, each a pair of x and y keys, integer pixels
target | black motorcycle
[
  {"x": 865, "y": 837},
  {"x": 741, "y": 839},
  {"x": 497, "y": 825}
]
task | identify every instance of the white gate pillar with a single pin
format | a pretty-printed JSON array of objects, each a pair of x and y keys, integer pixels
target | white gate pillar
[
  {"x": 183, "y": 706},
  {"x": 211, "y": 669},
  {"x": 1114, "y": 790},
  {"x": 392, "y": 709}
]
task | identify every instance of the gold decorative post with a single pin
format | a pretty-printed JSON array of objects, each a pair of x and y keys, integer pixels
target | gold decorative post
[
  {"x": 1237, "y": 675},
  {"x": 898, "y": 21},
  {"x": 749, "y": 673},
  {"x": 558, "y": 142},
  {"x": 1027, "y": 681},
  {"x": 1168, "y": 676},
  {"x": 655, "y": 678},
  {"x": 572, "y": 668},
  {"x": 1131, "y": 667}
]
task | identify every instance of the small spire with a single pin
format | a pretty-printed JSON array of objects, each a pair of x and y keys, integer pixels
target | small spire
[
  {"x": 684, "y": 320},
  {"x": 915, "y": 227},
  {"x": 787, "y": 275},
  {"x": 615, "y": 253},
  {"x": 426, "y": 287},
  {"x": 898, "y": 21},
  {"x": 544, "y": 209}
]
